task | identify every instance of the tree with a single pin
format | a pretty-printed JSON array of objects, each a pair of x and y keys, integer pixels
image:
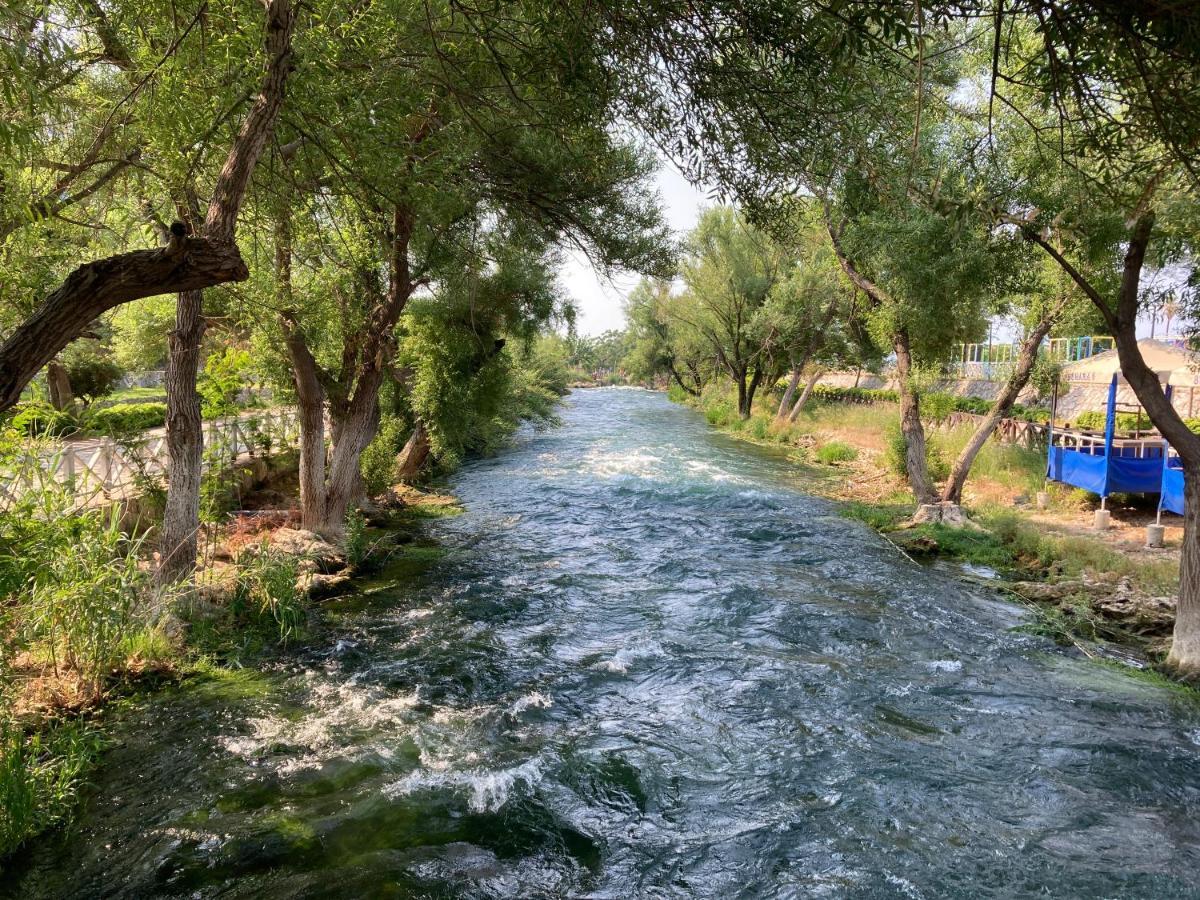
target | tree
[
  {"x": 186, "y": 262},
  {"x": 662, "y": 345},
  {"x": 451, "y": 146},
  {"x": 730, "y": 271}
]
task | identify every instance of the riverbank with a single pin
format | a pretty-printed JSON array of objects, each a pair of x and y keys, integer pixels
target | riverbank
[
  {"x": 261, "y": 593},
  {"x": 1080, "y": 584}
]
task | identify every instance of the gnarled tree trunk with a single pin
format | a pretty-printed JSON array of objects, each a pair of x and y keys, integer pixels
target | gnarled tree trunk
[
  {"x": 185, "y": 440},
  {"x": 310, "y": 400},
  {"x": 915, "y": 458},
  {"x": 411, "y": 460},
  {"x": 185, "y": 443},
  {"x": 355, "y": 430},
  {"x": 952, "y": 492},
  {"x": 185, "y": 264}
]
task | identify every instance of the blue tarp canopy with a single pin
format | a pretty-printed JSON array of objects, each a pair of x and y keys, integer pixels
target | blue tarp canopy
[
  {"x": 1105, "y": 474},
  {"x": 1105, "y": 469},
  {"x": 1171, "y": 498}
]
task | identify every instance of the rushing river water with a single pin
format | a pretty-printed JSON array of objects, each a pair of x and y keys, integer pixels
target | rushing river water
[{"x": 650, "y": 666}]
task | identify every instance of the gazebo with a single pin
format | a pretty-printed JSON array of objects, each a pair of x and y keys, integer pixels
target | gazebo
[{"x": 1107, "y": 462}]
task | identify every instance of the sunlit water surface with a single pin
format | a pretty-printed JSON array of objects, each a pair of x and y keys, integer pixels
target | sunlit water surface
[{"x": 650, "y": 666}]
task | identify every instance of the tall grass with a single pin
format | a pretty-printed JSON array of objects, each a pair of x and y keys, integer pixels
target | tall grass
[{"x": 41, "y": 775}]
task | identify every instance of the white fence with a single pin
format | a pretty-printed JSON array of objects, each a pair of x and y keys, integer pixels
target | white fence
[{"x": 103, "y": 469}]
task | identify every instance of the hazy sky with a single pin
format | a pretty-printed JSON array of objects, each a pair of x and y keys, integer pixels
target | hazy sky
[{"x": 599, "y": 299}]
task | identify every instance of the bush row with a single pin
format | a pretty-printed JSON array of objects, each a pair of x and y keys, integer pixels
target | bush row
[
  {"x": 125, "y": 417},
  {"x": 1093, "y": 420},
  {"x": 43, "y": 420}
]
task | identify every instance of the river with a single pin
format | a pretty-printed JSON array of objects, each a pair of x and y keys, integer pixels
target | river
[{"x": 649, "y": 666}]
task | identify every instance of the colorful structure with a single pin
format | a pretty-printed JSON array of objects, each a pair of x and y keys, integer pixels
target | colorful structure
[{"x": 1104, "y": 463}]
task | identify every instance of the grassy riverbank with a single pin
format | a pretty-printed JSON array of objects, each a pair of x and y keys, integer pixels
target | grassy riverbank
[
  {"x": 1081, "y": 585},
  {"x": 256, "y": 599}
]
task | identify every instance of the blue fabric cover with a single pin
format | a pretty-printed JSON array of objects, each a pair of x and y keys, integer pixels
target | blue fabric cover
[
  {"x": 1103, "y": 475},
  {"x": 1074, "y": 467},
  {"x": 1172, "y": 490}
]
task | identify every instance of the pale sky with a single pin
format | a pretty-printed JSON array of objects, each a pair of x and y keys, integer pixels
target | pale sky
[{"x": 599, "y": 299}]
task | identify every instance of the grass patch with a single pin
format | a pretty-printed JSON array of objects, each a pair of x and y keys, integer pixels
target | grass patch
[
  {"x": 833, "y": 452},
  {"x": 881, "y": 517}
]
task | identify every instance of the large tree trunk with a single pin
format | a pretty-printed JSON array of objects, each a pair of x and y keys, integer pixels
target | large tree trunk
[
  {"x": 817, "y": 372},
  {"x": 59, "y": 383},
  {"x": 345, "y": 486},
  {"x": 185, "y": 443},
  {"x": 410, "y": 463},
  {"x": 310, "y": 397},
  {"x": 743, "y": 407},
  {"x": 915, "y": 458},
  {"x": 1185, "y": 644},
  {"x": 952, "y": 492}
]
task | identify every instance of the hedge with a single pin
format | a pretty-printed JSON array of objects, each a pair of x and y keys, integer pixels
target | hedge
[
  {"x": 40, "y": 419},
  {"x": 125, "y": 417}
]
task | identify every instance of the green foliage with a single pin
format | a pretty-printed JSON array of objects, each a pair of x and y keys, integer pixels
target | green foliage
[
  {"x": 140, "y": 330},
  {"x": 42, "y": 420},
  {"x": 223, "y": 378},
  {"x": 1094, "y": 420},
  {"x": 41, "y": 776},
  {"x": 356, "y": 540},
  {"x": 835, "y": 452},
  {"x": 895, "y": 450},
  {"x": 936, "y": 406},
  {"x": 80, "y": 601},
  {"x": 266, "y": 592},
  {"x": 91, "y": 370},
  {"x": 378, "y": 461},
  {"x": 124, "y": 418}
]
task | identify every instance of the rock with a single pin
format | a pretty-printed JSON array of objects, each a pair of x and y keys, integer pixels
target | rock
[
  {"x": 320, "y": 586},
  {"x": 308, "y": 545},
  {"x": 1048, "y": 592},
  {"x": 945, "y": 513}
]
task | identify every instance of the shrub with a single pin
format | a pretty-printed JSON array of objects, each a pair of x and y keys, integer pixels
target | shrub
[
  {"x": 758, "y": 428},
  {"x": 42, "y": 420},
  {"x": 378, "y": 460},
  {"x": 93, "y": 374},
  {"x": 357, "y": 544},
  {"x": 836, "y": 452},
  {"x": 80, "y": 601},
  {"x": 895, "y": 449},
  {"x": 223, "y": 378},
  {"x": 1095, "y": 420},
  {"x": 124, "y": 418},
  {"x": 266, "y": 591},
  {"x": 937, "y": 406}
]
